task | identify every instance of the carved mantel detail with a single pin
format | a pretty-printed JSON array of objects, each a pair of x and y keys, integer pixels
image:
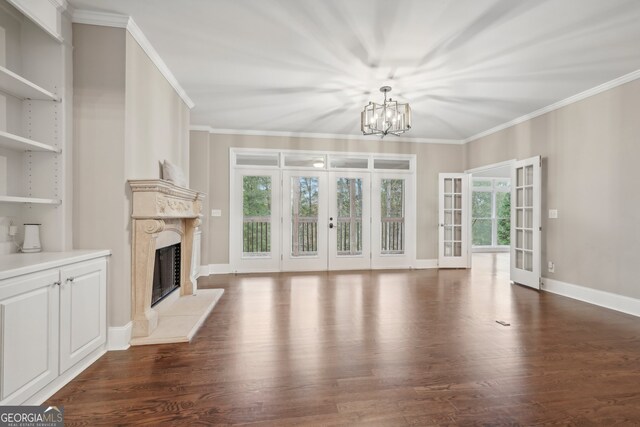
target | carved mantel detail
[{"x": 159, "y": 205}]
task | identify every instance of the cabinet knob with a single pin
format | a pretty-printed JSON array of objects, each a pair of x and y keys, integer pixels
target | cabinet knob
[
  {"x": 71, "y": 279},
  {"x": 58, "y": 283}
]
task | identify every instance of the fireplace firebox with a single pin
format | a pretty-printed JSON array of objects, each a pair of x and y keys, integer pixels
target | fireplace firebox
[{"x": 166, "y": 272}]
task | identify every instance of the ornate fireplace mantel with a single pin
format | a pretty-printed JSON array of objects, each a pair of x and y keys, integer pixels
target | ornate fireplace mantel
[{"x": 159, "y": 206}]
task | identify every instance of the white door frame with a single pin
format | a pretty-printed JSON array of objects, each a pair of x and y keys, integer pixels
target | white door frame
[{"x": 508, "y": 163}]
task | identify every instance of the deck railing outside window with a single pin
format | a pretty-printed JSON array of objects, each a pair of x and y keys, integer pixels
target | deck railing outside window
[
  {"x": 392, "y": 235},
  {"x": 304, "y": 236},
  {"x": 256, "y": 235}
]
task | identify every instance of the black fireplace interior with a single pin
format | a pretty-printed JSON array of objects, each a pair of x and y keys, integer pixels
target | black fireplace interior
[{"x": 166, "y": 272}]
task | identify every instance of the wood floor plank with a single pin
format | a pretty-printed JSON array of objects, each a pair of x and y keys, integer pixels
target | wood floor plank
[{"x": 383, "y": 348}]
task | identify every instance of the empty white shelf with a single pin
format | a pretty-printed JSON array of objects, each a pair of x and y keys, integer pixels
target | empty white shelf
[
  {"x": 16, "y": 142},
  {"x": 18, "y": 86},
  {"x": 36, "y": 200}
]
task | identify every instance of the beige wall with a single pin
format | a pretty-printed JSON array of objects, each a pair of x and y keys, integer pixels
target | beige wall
[
  {"x": 431, "y": 160},
  {"x": 590, "y": 150},
  {"x": 199, "y": 180},
  {"x": 99, "y": 183},
  {"x": 127, "y": 119},
  {"x": 157, "y": 119}
]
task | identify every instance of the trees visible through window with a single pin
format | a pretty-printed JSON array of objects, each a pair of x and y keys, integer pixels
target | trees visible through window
[
  {"x": 392, "y": 215},
  {"x": 491, "y": 212},
  {"x": 256, "y": 212}
]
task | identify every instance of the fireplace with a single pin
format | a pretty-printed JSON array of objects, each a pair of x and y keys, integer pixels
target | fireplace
[{"x": 166, "y": 272}]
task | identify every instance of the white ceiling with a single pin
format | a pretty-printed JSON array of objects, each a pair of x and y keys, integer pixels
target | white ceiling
[{"x": 465, "y": 66}]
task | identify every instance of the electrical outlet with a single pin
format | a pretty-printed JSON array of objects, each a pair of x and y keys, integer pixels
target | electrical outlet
[
  {"x": 552, "y": 267},
  {"x": 553, "y": 213},
  {"x": 216, "y": 212}
]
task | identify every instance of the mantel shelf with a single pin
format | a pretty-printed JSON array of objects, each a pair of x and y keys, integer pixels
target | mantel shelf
[
  {"x": 34, "y": 200},
  {"x": 19, "y": 143},
  {"x": 15, "y": 85}
]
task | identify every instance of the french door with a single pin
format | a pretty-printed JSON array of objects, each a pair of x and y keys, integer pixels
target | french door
[
  {"x": 256, "y": 220},
  {"x": 453, "y": 222},
  {"x": 349, "y": 221},
  {"x": 310, "y": 211},
  {"x": 393, "y": 220},
  {"x": 326, "y": 223},
  {"x": 304, "y": 220},
  {"x": 526, "y": 222}
]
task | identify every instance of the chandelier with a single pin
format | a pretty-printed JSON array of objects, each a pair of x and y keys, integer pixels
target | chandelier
[{"x": 387, "y": 118}]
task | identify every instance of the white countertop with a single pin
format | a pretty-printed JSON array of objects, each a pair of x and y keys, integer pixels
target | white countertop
[{"x": 18, "y": 264}]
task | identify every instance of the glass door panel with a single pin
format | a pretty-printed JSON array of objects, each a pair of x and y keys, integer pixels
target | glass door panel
[
  {"x": 392, "y": 208},
  {"x": 393, "y": 222},
  {"x": 255, "y": 221},
  {"x": 304, "y": 220},
  {"x": 349, "y": 224},
  {"x": 453, "y": 240}
]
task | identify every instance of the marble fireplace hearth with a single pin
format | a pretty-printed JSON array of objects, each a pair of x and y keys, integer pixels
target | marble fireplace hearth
[{"x": 161, "y": 209}]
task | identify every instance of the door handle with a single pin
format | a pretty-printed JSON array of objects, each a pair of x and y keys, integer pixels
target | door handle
[{"x": 330, "y": 225}]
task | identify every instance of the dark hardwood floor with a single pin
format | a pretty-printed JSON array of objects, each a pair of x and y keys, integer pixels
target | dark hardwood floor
[{"x": 384, "y": 348}]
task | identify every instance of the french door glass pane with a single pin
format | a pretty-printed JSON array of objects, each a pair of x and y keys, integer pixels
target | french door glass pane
[
  {"x": 392, "y": 213},
  {"x": 304, "y": 215},
  {"x": 349, "y": 221},
  {"x": 256, "y": 212},
  {"x": 524, "y": 218},
  {"x": 452, "y": 217}
]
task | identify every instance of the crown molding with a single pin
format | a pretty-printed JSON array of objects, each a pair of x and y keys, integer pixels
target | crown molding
[
  {"x": 555, "y": 106},
  {"x": 105, "y": 19},
  {"x": 60, "y": 4},
  {"x": 205, "y": 128}
]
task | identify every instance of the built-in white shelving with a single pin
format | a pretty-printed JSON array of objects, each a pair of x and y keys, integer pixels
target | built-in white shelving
[
  {"x": 34, "y": 200},
  {"x": 16, "y": 85},
  {"x": 19, "y": 143}
]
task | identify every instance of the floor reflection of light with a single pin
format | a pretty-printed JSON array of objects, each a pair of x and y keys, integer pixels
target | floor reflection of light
[
  {"x": 395, "y": 308},
  {"x": 256, "y": 329},
  {"x": 304, "y": 324},
  {"x": 348, "y": 306}
]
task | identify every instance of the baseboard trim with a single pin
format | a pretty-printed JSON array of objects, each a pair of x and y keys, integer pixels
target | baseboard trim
[
  {"x": 219, "y": 269},
  {"x": 597, "y": 297},
  {"x": 425, "y": 263},
  {"x": 119, "y": 337}
]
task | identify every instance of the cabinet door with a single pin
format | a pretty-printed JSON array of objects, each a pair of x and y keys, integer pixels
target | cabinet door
[
  {"x": 28, "y": 335},
  {"x": 83, "y": 306}
]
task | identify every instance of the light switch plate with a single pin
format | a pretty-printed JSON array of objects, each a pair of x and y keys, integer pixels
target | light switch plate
[
  {"x": 216, "y": 212},
  {"x": 553, "y": 213}
]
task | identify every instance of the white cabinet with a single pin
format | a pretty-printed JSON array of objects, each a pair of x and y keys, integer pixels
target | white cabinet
[
  {"x": 83, "y": 321},
  {"x": 50, "y": 322},
  {"x": 28, "y": 334}
]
